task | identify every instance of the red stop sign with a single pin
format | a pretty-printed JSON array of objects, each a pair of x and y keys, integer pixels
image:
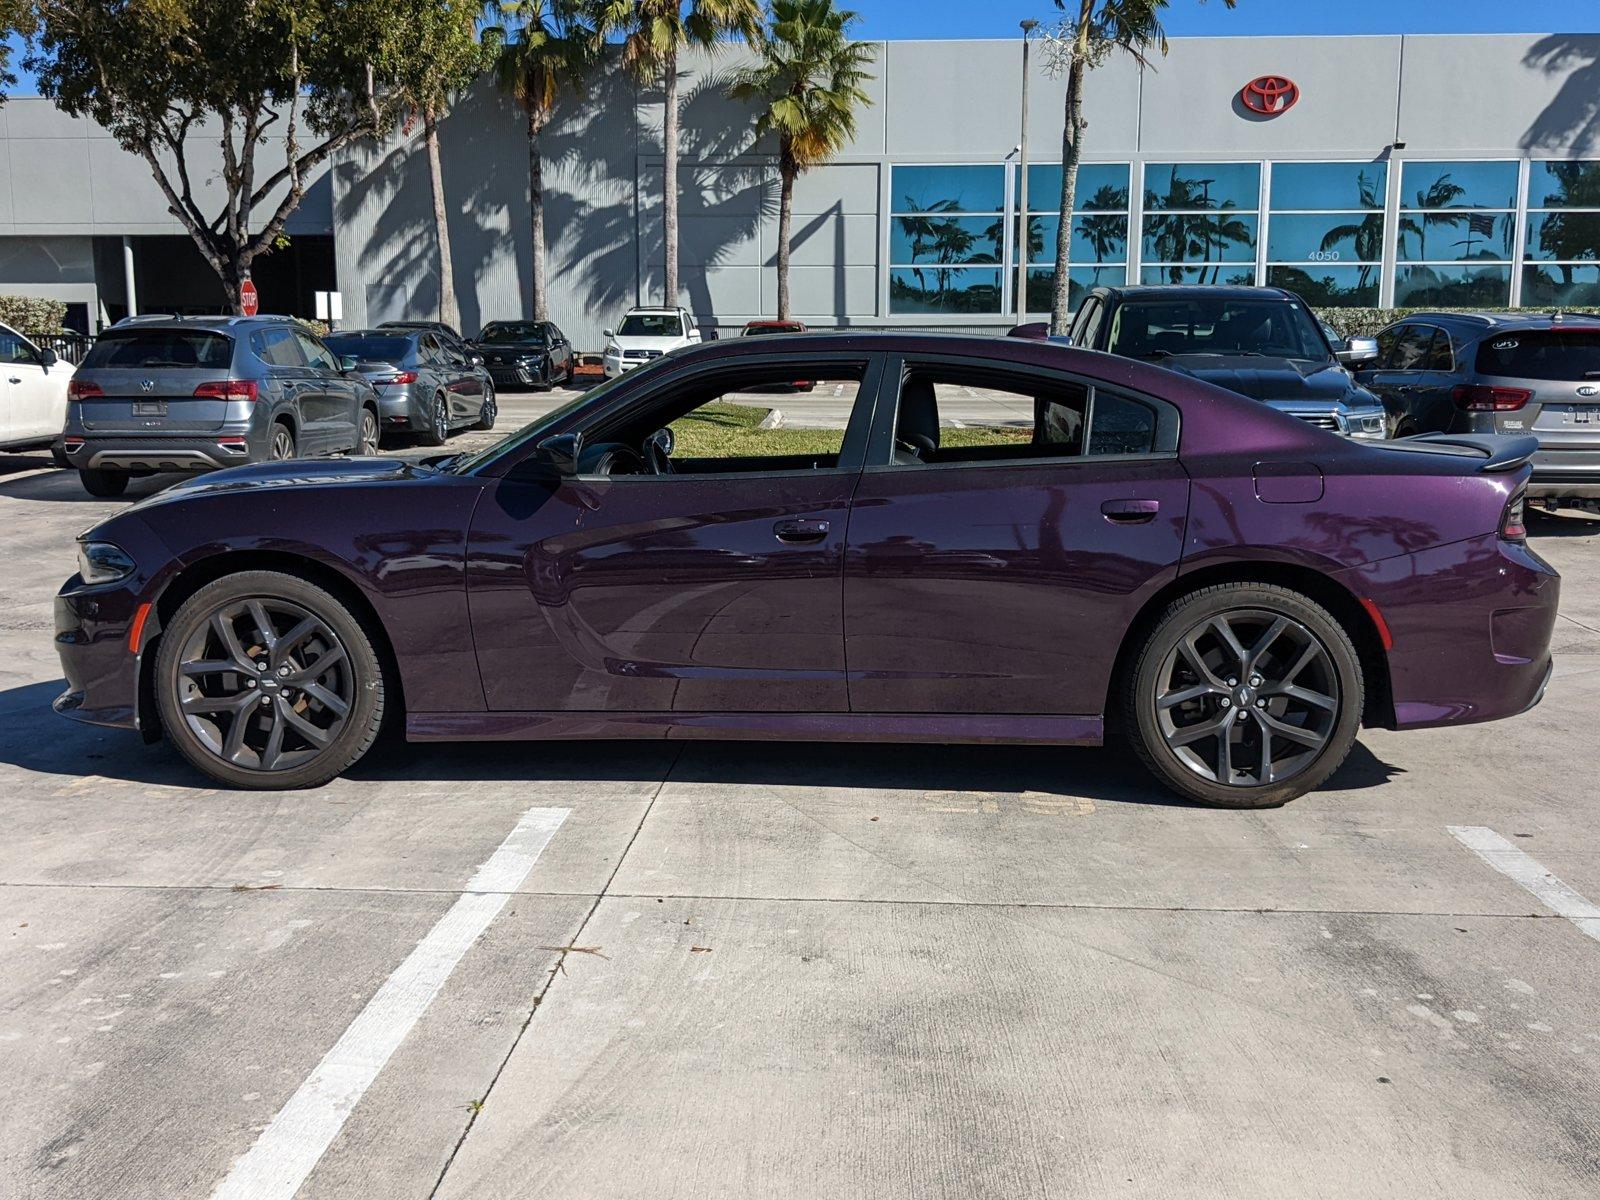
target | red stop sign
[{"x": 249, "y": 301}]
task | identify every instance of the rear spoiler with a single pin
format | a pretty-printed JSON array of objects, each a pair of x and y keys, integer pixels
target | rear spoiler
[{"x": 1500, "y": 453}]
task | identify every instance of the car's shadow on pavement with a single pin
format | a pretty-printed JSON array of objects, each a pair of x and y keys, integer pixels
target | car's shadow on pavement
[
  {"x": 42, "y": 480},
  {"x": 34, "y": 738},
  {"x": 1560, "y": 525}
]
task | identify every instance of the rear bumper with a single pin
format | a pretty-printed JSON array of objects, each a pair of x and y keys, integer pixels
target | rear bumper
[
  {"x": 136, "y": 452},
  {"x": 1471, "y": 625},
  {"x": 1565, "y": 473},
  {"x": 398, "y": 408}
]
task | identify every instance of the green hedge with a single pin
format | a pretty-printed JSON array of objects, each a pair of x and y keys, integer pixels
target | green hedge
[
  {"x": 31, "y": 316},
  {"x": 1364, "y": 322}
]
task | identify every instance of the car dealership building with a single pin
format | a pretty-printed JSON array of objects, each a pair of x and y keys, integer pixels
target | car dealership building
[{"x": 1418, "y": 170}]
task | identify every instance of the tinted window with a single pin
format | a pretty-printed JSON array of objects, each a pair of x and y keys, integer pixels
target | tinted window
[
  {"x": 518, "y": 331},
  {"x": 1411, "y": 348},
  {"x": 277, "y": 348},
  {"x": 1121, "y": 426},
  {"x": 1198, "y": 187},
  {"x": 371, "y": 349},
  {"x": 14, "y": 349},
  {"x": 316, "y": 355},
  {"x": 651, "y": 325},
  {"x": 1102, "y": 187},
  {"x": 953, "y": 413},
  {"x": 759, "y": 330},
  {"x": 1440, "y": 357},
  {"x": 952, "y": 189},
  {"x": 152, "y": 348},
  {"x": 1558, "y": 354},
  {"x": 1088, "y": 331},
  {"x": 1215, "y": 325},
  {"x": 1458, "y": 185},
  {"x": 1328, "y": 186}
]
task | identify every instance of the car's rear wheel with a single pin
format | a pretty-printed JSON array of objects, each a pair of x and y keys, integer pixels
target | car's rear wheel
[
  {"x": 103, "y": 483},
  {"x": 267, "y": 681},
  {"x": 281, "y": 447},
  {"x": 490, "y": 409},
  {"x": 367, "y": 435},
  {"x": 1244, "y": 695},
  {"x": 438, "y": 431}
]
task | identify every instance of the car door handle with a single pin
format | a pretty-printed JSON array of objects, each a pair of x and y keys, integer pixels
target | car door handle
[
  {"x": 15, "y": 379},
  {"x": 1130, "y": 512},
  {"x": 800, "y": 530}
]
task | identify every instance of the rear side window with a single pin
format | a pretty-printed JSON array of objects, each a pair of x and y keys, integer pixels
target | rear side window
[
  {"x": 1121, "y": 426},
  {"x": 1570, "y": 354},
  {"x": 1440, "y": 357},
  {"x": 150, "y": 349}
]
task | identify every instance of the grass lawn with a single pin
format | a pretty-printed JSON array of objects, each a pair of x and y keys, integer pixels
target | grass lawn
[{"x": 724, "y": 430}]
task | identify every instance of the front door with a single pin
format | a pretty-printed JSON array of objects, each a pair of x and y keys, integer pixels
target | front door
[
  {"x": 32, "y": 409},
  {"x": 704, "y": 578},
  {"x": 1004, "y": 537},
  {"x": 328, "y": 402}
]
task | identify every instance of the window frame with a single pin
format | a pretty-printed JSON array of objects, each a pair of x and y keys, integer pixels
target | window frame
[{"x": 880, "y": 445}]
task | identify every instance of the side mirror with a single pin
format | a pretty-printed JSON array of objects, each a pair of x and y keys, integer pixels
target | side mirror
[
  {"x": 694, "y": 335},
  {"x": 347, "y": 362},
  {"x": 610, "y": 333},
  {"x": 48, "y": 358},
  {"x": 561, "y": 452},
  {"x": 665, "y": 439},
  {"x": 1358, "y": 352}
]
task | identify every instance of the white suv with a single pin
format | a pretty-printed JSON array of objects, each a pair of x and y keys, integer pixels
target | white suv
[
  {"x": 646, "y": 334},
  {"x": 33, "y": 393}
]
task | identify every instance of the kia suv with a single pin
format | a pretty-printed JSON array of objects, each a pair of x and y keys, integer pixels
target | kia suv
[
  {"x": 646, "y": 334},
  {"x": 203, "y": 393},
  {"x": 1260, "y": 342},
  {"x": 1515, "y": 373}
]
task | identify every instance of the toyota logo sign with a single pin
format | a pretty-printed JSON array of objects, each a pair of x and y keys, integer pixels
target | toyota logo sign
[{"x": 1270, "y": 95}]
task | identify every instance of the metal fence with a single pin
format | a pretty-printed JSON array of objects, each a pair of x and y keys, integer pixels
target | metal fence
[{"x": 71, "y": 347}]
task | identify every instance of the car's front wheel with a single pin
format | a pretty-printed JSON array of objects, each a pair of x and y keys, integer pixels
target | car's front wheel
[
  {"x": 1244, "y": 695},
  {"x": 266, "y": 681}
]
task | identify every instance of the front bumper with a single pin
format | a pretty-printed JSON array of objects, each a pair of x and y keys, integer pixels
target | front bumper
[
  {"x": 142, "y": 452},
  {"x": 524, "y": 374},
  {"x": 1471, "y": 624},
  {"x": 102, "y": 670}
]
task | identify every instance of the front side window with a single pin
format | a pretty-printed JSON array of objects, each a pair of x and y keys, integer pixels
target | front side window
[
  {"x": 15, "y": 349},
  {"x": 1411, "y": 348},
  {"x": 1457, "y": 233},
  {"x": 1156, "y": 329},
  {"x": 651, "y": 325},
  {"x": 316, "y": 353}
]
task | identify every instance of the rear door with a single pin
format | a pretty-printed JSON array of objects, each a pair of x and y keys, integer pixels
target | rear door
[
  {"x": 1009, "y": 524},
  {"x": 1559, "y": 370},
  {"x": 154, "y": 382},
  {"x": 1404, "y": 352},
  {"x": 329, "y": 400}
]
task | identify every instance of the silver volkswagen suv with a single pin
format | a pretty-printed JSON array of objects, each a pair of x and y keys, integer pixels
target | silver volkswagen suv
[{"x": 163, "y": 393}]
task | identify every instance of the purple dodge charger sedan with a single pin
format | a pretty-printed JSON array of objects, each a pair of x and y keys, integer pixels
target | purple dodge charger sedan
[{"x": 949, "y": 539}]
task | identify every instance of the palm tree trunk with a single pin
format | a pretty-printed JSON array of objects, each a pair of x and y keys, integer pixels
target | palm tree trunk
[
  {"x": 1071, "y": 156},
  {"x": 541, "y": 303},
  {"x": 448, "y": 312},
  {"x": 669, "y": 180},
  {"x": 787, "y": 170}
]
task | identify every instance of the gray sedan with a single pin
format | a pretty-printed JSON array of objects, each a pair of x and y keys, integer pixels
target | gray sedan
[{"x": 424, "y": 386}]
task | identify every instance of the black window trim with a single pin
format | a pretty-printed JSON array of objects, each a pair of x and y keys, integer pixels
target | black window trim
[{"x": 879, "y": 457}]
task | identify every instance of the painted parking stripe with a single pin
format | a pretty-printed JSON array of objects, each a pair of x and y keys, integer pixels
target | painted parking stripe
[
  {"x": 1528, "y": 874},
  {"x": 287, "y": 1150}
]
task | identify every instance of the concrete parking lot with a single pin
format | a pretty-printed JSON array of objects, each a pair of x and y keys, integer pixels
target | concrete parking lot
[{"x": 649, "y": 971}]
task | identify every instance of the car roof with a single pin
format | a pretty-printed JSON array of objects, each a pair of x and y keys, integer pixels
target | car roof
[
  {"x": 653, "y": 308},
  {"x": 387, "y": 331},
  {"x": 1483, "y": 322},
  {"x": 214, "y": 323},
  {"x": 1188, "y": 291}
]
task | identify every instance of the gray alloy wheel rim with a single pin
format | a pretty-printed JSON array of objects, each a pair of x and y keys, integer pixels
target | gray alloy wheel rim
[
  {"x": 369, "y": 432},
  {"x": 441, "y": 419},
  {"x": 282, "y": 444},
  {"x": 490, "y": 408},
  {"x": 265, "y": 684},
  {"x": 1248, "y": 698}
]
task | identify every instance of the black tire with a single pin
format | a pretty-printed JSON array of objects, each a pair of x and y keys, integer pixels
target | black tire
[
  {"x": 281, "y": 447},
  {"x": 193, "y": 642},
  {"x": 438, "y": 430},
  {"x": 106, "y": 484},
  {"x": 59, "y": 457},
  {"x": 367, "y": 434},
  {"x": 1184, "y": 721},
  {"x": 490, "y": 409}
]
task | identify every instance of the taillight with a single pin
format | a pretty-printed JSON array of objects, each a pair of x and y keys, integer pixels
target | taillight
[
  {"x": 228, "y": 389},
  {"x": 83, "y": 389},
  {"x": 1479, "y": 397},
  {"x": 1513, "y": 522},
  {"x": 397, "y": 377}
]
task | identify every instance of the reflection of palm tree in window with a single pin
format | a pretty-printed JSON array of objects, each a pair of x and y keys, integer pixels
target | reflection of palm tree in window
[
  {"x": 945, "y": 238},
  {"x": 1106, "y": 232},
  {"x": 921, "y": 230},
  {"x": 1365, "y": 235},
  {"x": 1564, "y": 235},
  {"x": 1184, "y": 239},
  {"x": 1441, "y": 193}
]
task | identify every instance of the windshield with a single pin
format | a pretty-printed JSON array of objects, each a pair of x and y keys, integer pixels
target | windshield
[
  {"x": 542, "y": 426},
  {"x": 1216, "y": 325},
  {"x": 651, "y": 325},
  {"x": 370, "y": 349},
  {"x": 513, "y": 331},
  {"x": 147, "y": 348},
  {"x": 756, "y": 330}
]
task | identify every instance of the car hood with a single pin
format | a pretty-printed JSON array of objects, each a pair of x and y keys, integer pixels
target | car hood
[
  {"x": 1276, "y": 379},
  {"x": 650, "y": 343},
  {"x": 296, "y": 473}
]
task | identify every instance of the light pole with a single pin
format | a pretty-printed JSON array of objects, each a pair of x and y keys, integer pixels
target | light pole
[{"x": 1022, "y": 200}]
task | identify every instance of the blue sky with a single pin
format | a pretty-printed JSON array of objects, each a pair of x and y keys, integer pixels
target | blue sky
[{"x": 1194, "y": 18}]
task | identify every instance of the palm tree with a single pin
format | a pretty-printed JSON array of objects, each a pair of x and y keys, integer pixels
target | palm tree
[
  {"x": 1101, "y": 27},
  {"x": 654, "y": 33},
  {"x": 808, "y": 85},
  {"x": 549, "y": 57}
]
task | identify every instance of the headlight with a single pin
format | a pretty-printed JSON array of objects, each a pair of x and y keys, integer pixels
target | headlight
[
  {"x": 1368, "y": 425},
  {"x": 613, "y": 351},
  {"x": 101, "y": 562}
]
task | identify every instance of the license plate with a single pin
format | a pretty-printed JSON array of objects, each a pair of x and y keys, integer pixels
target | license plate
[{"x": 149, "y": 408}]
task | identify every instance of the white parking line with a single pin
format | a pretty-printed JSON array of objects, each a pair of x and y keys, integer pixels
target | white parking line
[
  {"x": 287, "y": 1150},
  {"x": 1529, "y": 875}
]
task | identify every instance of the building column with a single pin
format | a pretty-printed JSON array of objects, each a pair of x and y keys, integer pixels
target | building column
[{"x": 128, "y": 277}]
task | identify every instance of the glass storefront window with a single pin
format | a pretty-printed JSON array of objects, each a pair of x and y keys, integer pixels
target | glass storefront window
[
  {"x": 1563, "y": 235},
  {"x": 949, "y": 290},
  {"x": 1325, "y": 237},
  {"x": 1042, "y": 282},
  {"x": 1096, "y": 238},
  {"x": 1180, "y": 238},
  {"x": 1218, "y": 273},
  {"x": 1455, "y": 237},
  {"x": 920, "y": 238},
  {"x": 1102, "y": 187},
  {"x": 1329, "y": 287},
  {"x": 1329, "y": 186},
  {"x": 1446, "y": 285},
  {"x": 1428, "y": 184},
  {"x": 1202, "y": 187},
  {"x": 1564, "y": 185},
  {"x": 1561, "y": 285},
  {"x": 948, "y": 189}
]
